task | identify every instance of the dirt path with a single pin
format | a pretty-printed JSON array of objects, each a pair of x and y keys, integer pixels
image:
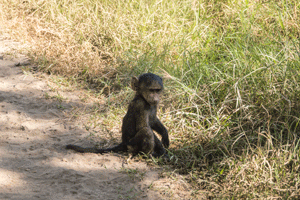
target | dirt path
[{"x": 33, "y": 133}]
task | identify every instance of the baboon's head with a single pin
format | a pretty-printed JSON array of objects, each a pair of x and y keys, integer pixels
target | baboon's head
[{"x": 149, "y": 86}]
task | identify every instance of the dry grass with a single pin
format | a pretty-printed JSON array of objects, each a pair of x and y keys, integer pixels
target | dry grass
[{"x": 231, "y": 71}]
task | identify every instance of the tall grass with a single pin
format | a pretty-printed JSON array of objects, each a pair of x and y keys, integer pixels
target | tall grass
[{"x": 231, "y": 71}]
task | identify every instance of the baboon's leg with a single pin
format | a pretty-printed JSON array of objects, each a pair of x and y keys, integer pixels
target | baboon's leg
[{"x": 143, "y": 141}]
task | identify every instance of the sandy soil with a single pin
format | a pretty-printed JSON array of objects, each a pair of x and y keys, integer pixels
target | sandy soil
[{"x": 33, "y": 132}]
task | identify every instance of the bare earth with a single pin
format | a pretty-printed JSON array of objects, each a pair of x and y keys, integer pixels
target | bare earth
[{"x": 33, "y": 132}]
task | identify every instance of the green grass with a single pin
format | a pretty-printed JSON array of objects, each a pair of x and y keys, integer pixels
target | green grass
[{"x": 231, "y": 72}]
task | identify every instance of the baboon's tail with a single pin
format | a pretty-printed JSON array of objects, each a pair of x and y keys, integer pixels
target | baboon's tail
[{"x": 118, "y": 148}]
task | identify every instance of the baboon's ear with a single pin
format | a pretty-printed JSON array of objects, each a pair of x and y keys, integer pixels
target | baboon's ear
[{"x": 134, "y": 83}]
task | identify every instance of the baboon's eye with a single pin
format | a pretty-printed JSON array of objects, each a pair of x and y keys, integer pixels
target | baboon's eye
[{"x": 155, "y": 90}]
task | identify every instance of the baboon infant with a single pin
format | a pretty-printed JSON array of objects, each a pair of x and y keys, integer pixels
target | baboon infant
[{"x": 140, "y": 121}]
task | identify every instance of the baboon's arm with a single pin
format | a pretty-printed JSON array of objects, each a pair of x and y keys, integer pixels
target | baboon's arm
[
  {"x": 158, "y": 148},
  {"x": 161, "y": 130},
  {"x": 142, "y": 116}
]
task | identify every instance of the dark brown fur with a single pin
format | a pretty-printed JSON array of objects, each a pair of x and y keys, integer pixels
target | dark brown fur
[{"x": 140, "y": 121}]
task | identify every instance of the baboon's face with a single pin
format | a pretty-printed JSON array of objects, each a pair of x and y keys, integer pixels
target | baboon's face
[
  {"x": 152, "y": 92},
  {"x": 149, "y": 85}
]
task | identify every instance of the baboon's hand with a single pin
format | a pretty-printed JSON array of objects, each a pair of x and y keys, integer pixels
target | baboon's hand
[{"x": 166, "y": 142}]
